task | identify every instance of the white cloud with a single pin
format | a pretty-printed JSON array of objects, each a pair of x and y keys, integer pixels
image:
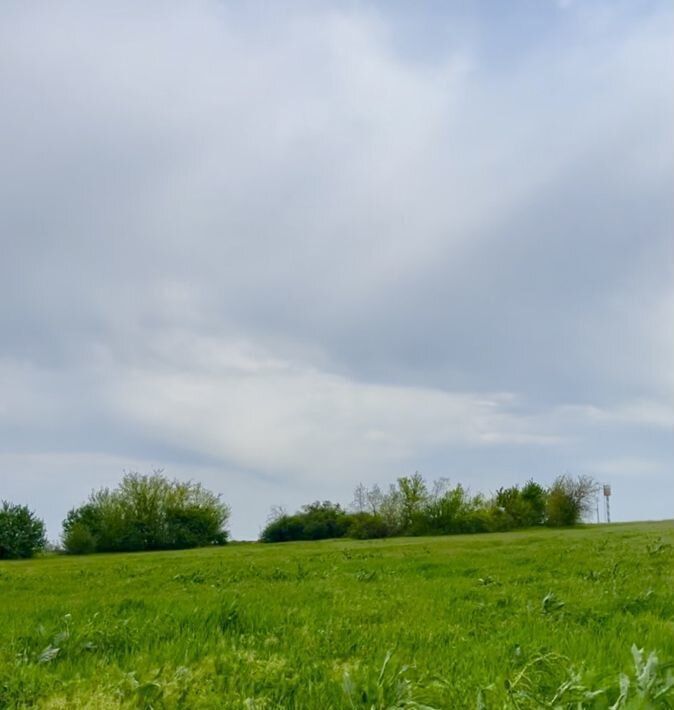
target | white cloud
[
  {"x": 641, "y": 412},
  {"x": 243, "y": 406}
]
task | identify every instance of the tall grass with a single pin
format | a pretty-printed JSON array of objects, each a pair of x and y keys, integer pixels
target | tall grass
[{"x": 564, "y": 619}]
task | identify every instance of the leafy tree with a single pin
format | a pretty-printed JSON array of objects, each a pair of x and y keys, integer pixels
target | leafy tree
[
  {"x": 511, "y": 505},
  {"x": 316, "y": 521},
  {"x": 560, "y": 509},
  {"x": 324, "y": 520},
  {"x": 413, "y": 495},
  {"x": 285, "y": 528},
  {"x": 365, "y": 526},
  {"x": 146, "y": 513},
  {"x": 22, "y": 534},
  {"x": 570, "y": 499},
  {"x": 391, "y": 510},
  {"x": 521, "y": 508},
  {"x": 456, "y": 511},
  {"x": 79, "y": 540},
  {"x": 534, "y": 495}
]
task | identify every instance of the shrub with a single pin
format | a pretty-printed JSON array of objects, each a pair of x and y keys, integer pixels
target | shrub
[
  {"x": 191, "y": 525},
  {"x": 317, "y": 521},
  {"x": 324, "y": 520},
  {"x": 560, "y": 509},
  {"x": 146, "y": 513},
  {"x": 365, "y": 526},
  {"x": 453, "y": 511},
  {"x": 22, "y": 534},
  {"x": 285, "y": 528}
]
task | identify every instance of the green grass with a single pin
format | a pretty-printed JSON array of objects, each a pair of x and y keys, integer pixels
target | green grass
[{"x": 514, "y": 620}]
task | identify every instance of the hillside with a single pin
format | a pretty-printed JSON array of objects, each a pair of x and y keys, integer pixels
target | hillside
[{"x": 451, "y": 622}]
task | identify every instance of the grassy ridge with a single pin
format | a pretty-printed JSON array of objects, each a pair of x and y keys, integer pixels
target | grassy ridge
[{"x": 452, "y": 622}]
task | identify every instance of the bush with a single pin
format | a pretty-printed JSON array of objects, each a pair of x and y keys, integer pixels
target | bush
[
  {"x": 365, "y": 526},
  {"x": 285, "y": 528},
  {"x": 191, "y": 525},
  {"x": 455, "y": 511},
  {"x": 317, "y": 521},
  {"x": 22, "y": 534},
  {"x": 560, "y": 509},
  {"x": 146, "y": 513}
]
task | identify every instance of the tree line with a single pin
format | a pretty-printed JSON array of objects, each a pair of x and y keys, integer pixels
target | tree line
[
  {"x": 412, "y": 507},
  {"x": 152, "y": 512}
]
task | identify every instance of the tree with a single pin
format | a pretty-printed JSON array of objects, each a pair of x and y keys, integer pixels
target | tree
[
  {"x": 454, "y": 510},
  {"x": 22, "y": 534},
  {"x": 570, "y": 499},
  {"x": 359, "y": 503},
  {"x": 365, "y": 526},
  {"x": 413, "y": 494},
  {"x": 584, "y": 490},
  {"x": 79, "y": 540},
  {"x": 324, "y": 520},
  {"x": 283, "y": 529},
  {"x": 374, "y": 499},
  {"x": 391, "y": 510},
  {"x": 316, "y": 521},
  {"x": 276, "y": 512},
  {"x": 146, "y": 513},
  {"x": 511, "y": 506},
  {"x": 534, "y": 495}
]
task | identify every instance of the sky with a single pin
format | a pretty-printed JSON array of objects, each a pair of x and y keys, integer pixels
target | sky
[{"x": 284, "y": 248}]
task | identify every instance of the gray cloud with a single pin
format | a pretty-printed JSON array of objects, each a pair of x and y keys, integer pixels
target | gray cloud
[{"x": 287, "y": 249}]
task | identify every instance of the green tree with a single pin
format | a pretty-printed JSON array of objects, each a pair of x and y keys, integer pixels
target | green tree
[
  {"x": 534, "y": 495},
  {"x": 22, "y": 534},
  {"x": 79, "y": 540},
  {"x": 453, "y": 510},
  {"x": 365, "y": 526},
  {"x": 513, "y": 508},
  {"x": 413, "y": 495},
  {"x": 570, "y": 499},
  {"x": 147, "y": 513},
  {"x": 316, "y": 521},
  {"x": 284, "y": 528}
]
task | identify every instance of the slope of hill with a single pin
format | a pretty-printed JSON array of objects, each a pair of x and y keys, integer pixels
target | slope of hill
[{"x": 516, "y": 619}]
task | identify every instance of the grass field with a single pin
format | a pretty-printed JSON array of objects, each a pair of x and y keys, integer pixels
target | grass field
[{"x": 514, "y": 620}]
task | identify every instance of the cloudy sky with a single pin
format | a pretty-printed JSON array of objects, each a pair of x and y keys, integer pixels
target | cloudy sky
[{"x": 283, "y": 248}]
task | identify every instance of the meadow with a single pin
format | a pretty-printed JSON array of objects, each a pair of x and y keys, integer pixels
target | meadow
[{"x": 579, "y": 617}]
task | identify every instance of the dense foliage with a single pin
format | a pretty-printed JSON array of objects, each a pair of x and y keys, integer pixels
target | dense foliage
[
  {"x": 410, "y": 507},
  {"x": 317, "y": 521},
  {"x": 146, "y": 513},
  {"x": 22, "y": 534}
]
